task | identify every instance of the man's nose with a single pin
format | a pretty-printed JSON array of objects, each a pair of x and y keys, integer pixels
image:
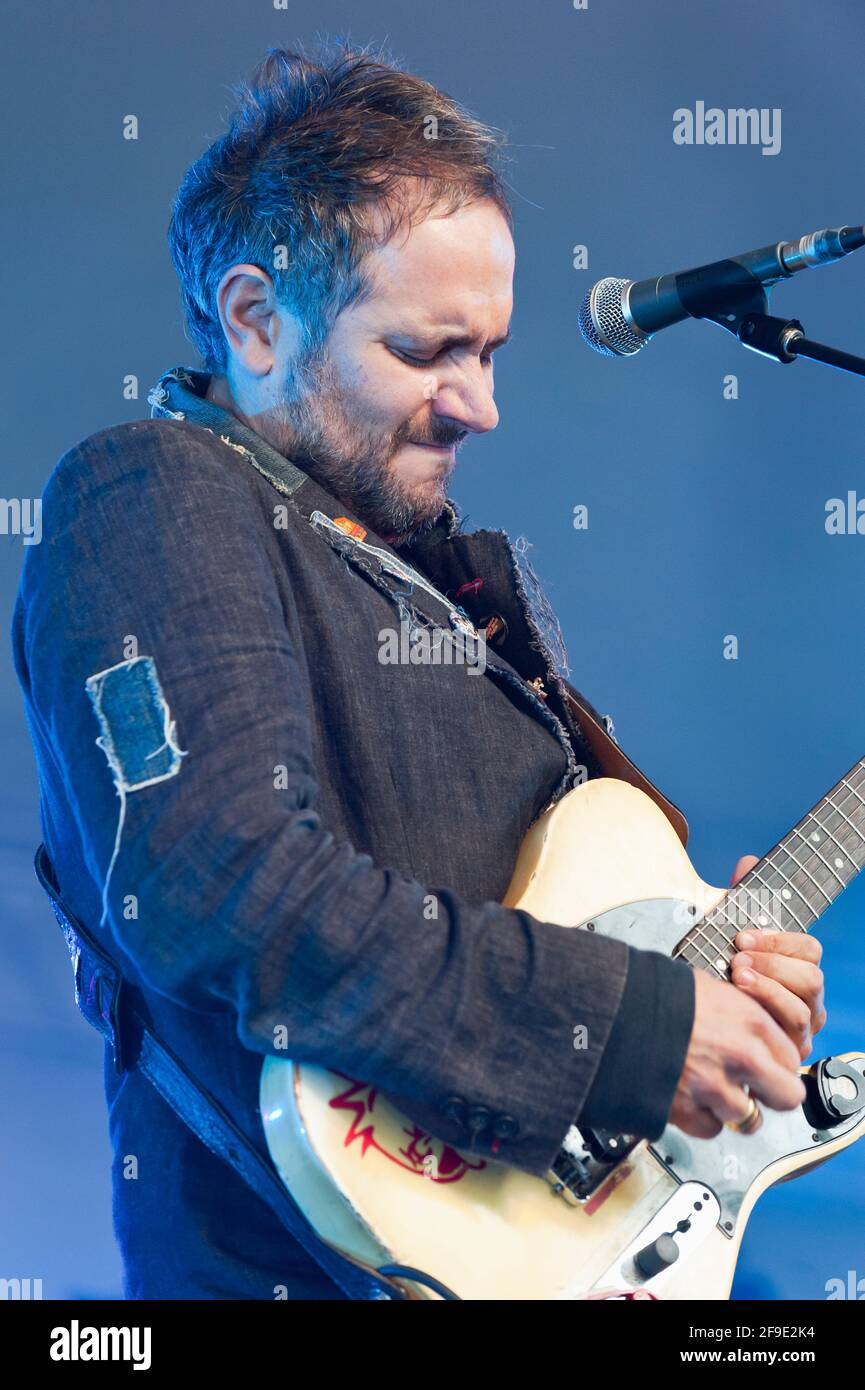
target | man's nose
[{"x": 467, "y": 400}]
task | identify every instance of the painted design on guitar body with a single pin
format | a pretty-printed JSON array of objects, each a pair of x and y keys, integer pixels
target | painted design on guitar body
[{"x": 423, "y": 1154}]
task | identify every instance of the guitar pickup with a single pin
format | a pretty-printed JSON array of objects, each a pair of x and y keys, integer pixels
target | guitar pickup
[{"x": 586, "y": 1160}]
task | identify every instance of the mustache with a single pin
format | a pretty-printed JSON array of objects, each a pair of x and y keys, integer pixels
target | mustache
[{"x": 444, "y": 439}]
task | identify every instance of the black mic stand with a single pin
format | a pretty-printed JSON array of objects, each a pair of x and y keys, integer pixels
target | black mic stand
[
  {"x": 784, "y": 339},
  {"x": 741, "y": 307}
]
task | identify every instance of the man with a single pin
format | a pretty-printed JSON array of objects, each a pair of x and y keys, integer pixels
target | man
[{"x": 317, "y": 839}]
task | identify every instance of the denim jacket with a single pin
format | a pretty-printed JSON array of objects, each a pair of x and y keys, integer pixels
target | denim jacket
[{"x": 256, "y": 793}]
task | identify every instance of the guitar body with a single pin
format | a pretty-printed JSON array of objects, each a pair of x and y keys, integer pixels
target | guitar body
[{"x": 372, "y": 1184}]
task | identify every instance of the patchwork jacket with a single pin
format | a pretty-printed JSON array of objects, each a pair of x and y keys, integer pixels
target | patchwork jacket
[{"x": 278, "y": 818}]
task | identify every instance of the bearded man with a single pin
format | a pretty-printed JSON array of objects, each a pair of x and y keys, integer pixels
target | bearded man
[{"x": 223, "y": 573}]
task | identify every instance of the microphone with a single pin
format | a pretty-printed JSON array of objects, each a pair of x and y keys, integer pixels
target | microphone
[{"x": 618, "y": 317}]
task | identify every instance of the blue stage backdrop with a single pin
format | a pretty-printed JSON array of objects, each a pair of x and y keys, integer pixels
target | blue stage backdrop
[{"x": 706, "y": 471}]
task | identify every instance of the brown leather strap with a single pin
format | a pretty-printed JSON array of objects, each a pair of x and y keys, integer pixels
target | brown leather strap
[{"x": 615, "y": 763}]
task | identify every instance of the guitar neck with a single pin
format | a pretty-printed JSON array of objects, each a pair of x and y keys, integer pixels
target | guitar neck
[{"x": 794, "y": 883}]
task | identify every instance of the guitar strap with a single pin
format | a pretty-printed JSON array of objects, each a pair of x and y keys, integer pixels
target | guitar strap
[
  {"x": 106, "y": 1004},
  {"x": 613, "y": 761}
]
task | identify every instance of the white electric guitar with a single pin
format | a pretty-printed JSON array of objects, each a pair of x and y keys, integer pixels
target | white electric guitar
[{"x": 665, "y": 1218}]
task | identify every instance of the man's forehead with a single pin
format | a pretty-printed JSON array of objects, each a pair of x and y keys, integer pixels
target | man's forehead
[
  {"x": 459, "y": 246},
  {"x": 445, "y": 319},
  {"x": 447, "y": 276}
]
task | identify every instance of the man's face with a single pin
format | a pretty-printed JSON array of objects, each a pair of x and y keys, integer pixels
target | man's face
[{"x": 377, "y": 416}]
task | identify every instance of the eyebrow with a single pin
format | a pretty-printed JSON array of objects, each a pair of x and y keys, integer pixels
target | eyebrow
[{"x": 455, "y": 339}]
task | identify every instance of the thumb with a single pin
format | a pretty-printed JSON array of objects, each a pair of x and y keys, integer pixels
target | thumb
[{"x": 745, "y": 863}]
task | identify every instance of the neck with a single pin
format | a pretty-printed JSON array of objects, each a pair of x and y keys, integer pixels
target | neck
[
  {"x": 794, "y": 883},
  {"x": 219, "y": 392}
]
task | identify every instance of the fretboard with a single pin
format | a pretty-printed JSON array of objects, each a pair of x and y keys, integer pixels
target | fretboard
[{"x": 794, "y": 883}]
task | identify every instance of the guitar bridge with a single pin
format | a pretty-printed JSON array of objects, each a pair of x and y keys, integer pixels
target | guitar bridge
[{"x": 585, "y": 1161}]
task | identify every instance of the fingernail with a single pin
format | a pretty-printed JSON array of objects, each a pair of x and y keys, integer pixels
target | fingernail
[
  {"x": 747, "y": 939},
  {"x": 742, "y": 959},
  {"x": 745, "y": 977}
]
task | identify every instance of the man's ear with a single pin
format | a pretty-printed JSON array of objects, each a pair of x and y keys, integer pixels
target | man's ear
[{"x": 247, "y": 308}]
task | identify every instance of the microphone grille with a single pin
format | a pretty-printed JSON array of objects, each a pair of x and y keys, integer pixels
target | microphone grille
[{"x": 602, "y": 320}]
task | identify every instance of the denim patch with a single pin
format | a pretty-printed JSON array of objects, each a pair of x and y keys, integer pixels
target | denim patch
[{"x": 138, "y": 735}]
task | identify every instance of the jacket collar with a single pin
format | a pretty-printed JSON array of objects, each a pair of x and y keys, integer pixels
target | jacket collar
[{"x": 181, "y": 394}]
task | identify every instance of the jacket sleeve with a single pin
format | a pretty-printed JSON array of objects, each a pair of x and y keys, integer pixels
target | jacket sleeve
[
  {"x": 225, "y": 887},
  {"x": 634, "y": 1085}
]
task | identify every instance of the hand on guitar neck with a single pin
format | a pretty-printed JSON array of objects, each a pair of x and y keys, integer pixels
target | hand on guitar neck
[{"x": 754, "y": 1032}]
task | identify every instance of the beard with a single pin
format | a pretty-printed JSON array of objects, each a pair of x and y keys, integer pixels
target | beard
[{"x": 313, "y": 427}]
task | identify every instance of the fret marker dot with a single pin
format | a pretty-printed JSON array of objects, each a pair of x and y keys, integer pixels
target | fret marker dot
[
  {"x": 763, "y": 921},
  {"x": 839, "y": 862},
  {"x": 785, "y": 893},
  {"x": 720, "y": 963},
  {"x": 816, "y": 837}
]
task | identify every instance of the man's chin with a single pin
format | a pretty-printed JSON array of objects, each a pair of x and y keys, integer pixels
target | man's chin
[
  {"x": 420, "y": 516},
  {"x": 430, "y": 504}
]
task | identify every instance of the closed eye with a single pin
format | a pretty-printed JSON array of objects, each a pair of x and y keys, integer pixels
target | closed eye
[{"x": 486, "y": 358}]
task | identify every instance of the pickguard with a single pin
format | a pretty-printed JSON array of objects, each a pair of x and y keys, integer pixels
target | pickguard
[{"x": 655, "y": 924}]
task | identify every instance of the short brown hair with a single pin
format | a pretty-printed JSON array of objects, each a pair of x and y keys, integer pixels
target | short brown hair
[{"x": 312, "y": 148}]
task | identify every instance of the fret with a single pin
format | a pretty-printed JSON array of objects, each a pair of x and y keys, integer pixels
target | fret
[
  {"x": 842, "y": 866},
  {"x": 810, "y": 864},
  {"x": 720, "y": 910},
  {"x": 815, "y": 850},
  {"x": 845, "y": 796},
  {"x": 853, "y": 827},
  {"x": 845, "y": 783},
  {"x": 841, "y": 838},
  {"x": 845, "y": 799},
  {"x": 690, "y": 944},
  {"x": 734, "y": 926},
  {"x": 798, "y": 884},
  {"x": 725, "y": 956},
  {"x": 828, "y": 833},
  {"x": 790, "y": 887},
  {"x": 700, "y": 928},
  {"x": 835, "y": 809},
  {"x": 845, "y": 859},
  {"x": 854, "y": 853},
  {"x": 720, "y": 953},
  {"x": 801, "y": 868},
  {"x": 756, "y": 917}
]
